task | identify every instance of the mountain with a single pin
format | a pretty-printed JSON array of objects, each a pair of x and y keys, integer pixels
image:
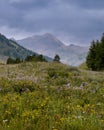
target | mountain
[
  {"x": 49, "y": 45},
  {"x": 45, "y": 44},
  {"x": 10, "y": 48}
]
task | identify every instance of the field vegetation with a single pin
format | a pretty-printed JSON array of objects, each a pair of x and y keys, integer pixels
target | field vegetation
[{"x": 50, "y": 96}]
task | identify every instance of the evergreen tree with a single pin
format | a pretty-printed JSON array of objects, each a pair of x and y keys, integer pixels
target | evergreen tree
[
  {"x": 28, "y": 58},
  {"x": 35, "y": 58},
  {"x": 41, "y": 58},
  {"x": 56, "y": 58},
  {"x": 10, "y": 61},
  {"x": 95, "y": 57},
  {"x": 91, "y": 56},
  {"x": 13, "y": 61},
  {"x": 102, "y": 53},
  {"x": 17, "y": 60}
]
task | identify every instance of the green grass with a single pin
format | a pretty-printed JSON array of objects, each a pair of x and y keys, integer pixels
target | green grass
[{"x": 47, "y": 101}]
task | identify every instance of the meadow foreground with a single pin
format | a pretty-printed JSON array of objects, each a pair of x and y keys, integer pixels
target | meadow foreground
[{"x": 50, "y": 96}]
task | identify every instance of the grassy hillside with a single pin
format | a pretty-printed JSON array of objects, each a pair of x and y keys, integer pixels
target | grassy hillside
[{"x": 50, "y": 96}]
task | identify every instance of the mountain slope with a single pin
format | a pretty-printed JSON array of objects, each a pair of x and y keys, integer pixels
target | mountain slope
[
  {"x": 46, "y": 44},
  {"x": 10, "y": 48},
  {"x": 49, "y": 45}
]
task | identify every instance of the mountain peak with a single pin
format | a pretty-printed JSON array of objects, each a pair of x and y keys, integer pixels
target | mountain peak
[
  {"x": 50, "y": 45},
  {"x": 48, "y": 35}
]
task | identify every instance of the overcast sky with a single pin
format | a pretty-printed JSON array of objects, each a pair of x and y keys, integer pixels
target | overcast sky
[{"x": 73, "y": 21}]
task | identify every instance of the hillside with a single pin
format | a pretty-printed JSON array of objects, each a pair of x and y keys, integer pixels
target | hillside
[
  {"x": 50, "y": 96},
  {"x": 10, "y": 48},
  {"x": 49, "y": 45}
]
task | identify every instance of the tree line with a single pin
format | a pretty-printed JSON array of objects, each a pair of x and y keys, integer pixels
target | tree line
[
  {"x": 29, "y": 58},
  {"x": 32, "y": 58}
]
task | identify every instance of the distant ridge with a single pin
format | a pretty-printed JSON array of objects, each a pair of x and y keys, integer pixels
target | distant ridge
[{"x": 49, "y": 45}]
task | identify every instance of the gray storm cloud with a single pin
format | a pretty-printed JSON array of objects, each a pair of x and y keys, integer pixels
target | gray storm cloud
[{"x": 82, "y": 20}]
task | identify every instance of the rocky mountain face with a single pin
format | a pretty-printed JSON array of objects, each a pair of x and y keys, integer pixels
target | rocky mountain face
[{"x": 49, "y": 45}]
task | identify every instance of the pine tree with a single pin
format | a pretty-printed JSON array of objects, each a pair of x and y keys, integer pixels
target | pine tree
[
  {"x": 56, "y": 58},
  {"x": 95, "y": 57},
  {"x": 10, "y": 61}
]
